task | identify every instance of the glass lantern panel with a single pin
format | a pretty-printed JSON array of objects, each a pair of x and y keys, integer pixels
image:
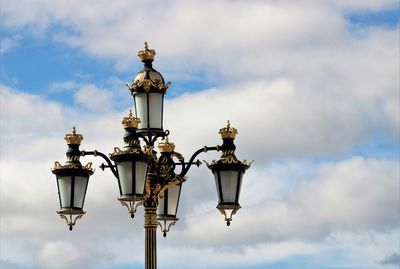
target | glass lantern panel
[
  {"x": 173, "y": 199},
  {"x": 141, "y": 172},
  {"x": 125, "y": 177},
  {"x": 229, "y": 181},
  {"x": 141, "y": 109},
  {"x": 217, "y": 185},
  {"x": 80, "y": 191},
  {"x": 64, "y": 189},
  {"x": 240, "y": 184},
  {"x": 161, "y": 206},
  {"x": 156, "y": 110}
]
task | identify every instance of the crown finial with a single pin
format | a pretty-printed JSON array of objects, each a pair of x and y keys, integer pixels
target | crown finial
[
  {"x": 166, "y": 146},
  {"x": 130, "y": 121},
  {"x": 74, "y": 138},
  {"x": 146, "y": 54},
  {"x": 228, "y": 131}
]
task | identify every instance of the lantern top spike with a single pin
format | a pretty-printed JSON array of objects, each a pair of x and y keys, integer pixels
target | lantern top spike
[
  {"x": 146, "y": 55},
  {"x": 74, "y": 138},
  {"x": 228, "y": 131},
  {"x": 130, "y": 121}
]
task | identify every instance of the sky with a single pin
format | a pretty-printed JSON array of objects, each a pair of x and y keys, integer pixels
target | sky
[{"x": 312, "y": 87}]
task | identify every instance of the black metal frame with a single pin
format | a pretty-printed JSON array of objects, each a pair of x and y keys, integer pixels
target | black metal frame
[{"x": 71, "y": 172}]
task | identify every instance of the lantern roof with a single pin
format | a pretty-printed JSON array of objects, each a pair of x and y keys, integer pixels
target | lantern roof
[{"x": 148, "y": 79}]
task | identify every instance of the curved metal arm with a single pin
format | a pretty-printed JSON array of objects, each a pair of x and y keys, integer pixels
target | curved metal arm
[
  {"x": 95, "y": 153},
  {"x": 150, "y": 140},
  {"x": 205, "y": 149}
]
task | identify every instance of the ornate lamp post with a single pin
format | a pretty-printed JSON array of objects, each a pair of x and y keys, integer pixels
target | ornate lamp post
[{"x": 144, "y": 176}]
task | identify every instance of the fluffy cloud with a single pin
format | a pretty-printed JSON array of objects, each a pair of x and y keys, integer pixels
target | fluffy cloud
[
  {"x": 310, "y": 202},
  {"x": 353, "y": 195},
  {"x": 392, "y": 259},
  {"x": 293, "y": 77},
  {"x": 92, "y": 98},
  {"x": 8, "y": 43},
  {"x": 60, "y": 255}
]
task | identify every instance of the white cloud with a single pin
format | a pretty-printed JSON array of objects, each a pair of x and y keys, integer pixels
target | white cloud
[
  {"x": 26, "y": 115},
  {"x": 286, "y": 119},
  {"x": 365, "y": 5},
  {"x": 93, "y": 98},
  {"x": 292, "y": 78},
  {"x": 8, "y": 43},
  {"x": 352, "y": 195},
  {"x": 60, "y": 255},
  {"x": 63, "y": 86}
]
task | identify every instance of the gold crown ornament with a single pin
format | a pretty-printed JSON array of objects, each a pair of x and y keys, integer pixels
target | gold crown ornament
[
  {"x": 130, "y": 121},
  {"x": 166, "y": 146},
  {"x": 146, "y": 54},
  {"x": 228, "y": 131},
  {"x": 74, "y": 138}
]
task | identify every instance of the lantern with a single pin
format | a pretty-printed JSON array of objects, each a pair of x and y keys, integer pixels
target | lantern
[
  {"x": 72, "y": 181},
  {"x": 148, "y": 89},
  {"x": 228, "y": 174},
  {"x": 131, "y": 164}
]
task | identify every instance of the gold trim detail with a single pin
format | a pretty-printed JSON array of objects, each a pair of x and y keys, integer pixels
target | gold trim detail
[
  {"x": 166, "y": 228},
  {"x": 150, "y": 220},
  {"x": 229, "y": 159},
  {"x": 228, "y": 131},
  {"x": 74, "y": 138},
  {"x": 147, "y": 84},
  {"x": 71, "y": 221},
  {"x": 146, "y": 54},
  {"x": 74, "y": 165},
  {"x": 177, "y": 180},
  {"x": 130, "y": 121},
  {"x": 222, "y": 209},
  {"x": 131, "y": 205},
  {"x": 166, "y": 146},
  {"x": 148, "y": 150}
]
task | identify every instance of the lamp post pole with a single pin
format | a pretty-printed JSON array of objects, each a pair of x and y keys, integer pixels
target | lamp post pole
[
  {"x": 150, "y": 226},
  {"x": 147, "y": 177}
]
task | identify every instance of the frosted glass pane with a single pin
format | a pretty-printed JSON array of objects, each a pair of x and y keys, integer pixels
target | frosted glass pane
[
  {"x": 216, "y": 183},
  {"x": 173, "y": 196},
  {"x": 240, "y": 185},
  {"x": 79, "y": 192},
  {"x": 141, "y": 171},
  {"x": 141, "y": 109},
  {"x": 160, "y": 208},
  {"x": 125, "y": 177},
  {"x": 64, "y": 187},
  {"x": 156, "y": 102},
  {"x": 229, "y": 184}
]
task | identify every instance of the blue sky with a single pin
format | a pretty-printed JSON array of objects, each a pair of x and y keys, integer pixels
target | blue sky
[{"x": 312, "y": 87}]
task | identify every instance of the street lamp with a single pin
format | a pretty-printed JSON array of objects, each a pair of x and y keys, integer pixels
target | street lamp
[{"x": 147, "y": 177}]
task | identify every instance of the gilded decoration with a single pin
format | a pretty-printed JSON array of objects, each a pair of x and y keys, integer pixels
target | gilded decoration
[
  {"x": 146, "y": 54},
  {"x": 74, "y": 138},
  {"x": 148, "y": 150},
  {"x": 228, "y": 131},
  {"x": 74, "y": 165},
  {"x": 150, "y": 220},
  {"x": 166, "y": 146},
  {"x": 147, "y": 85},
  {"x": 130, "y": 121},
  {"x": 229, "y": 159}
]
